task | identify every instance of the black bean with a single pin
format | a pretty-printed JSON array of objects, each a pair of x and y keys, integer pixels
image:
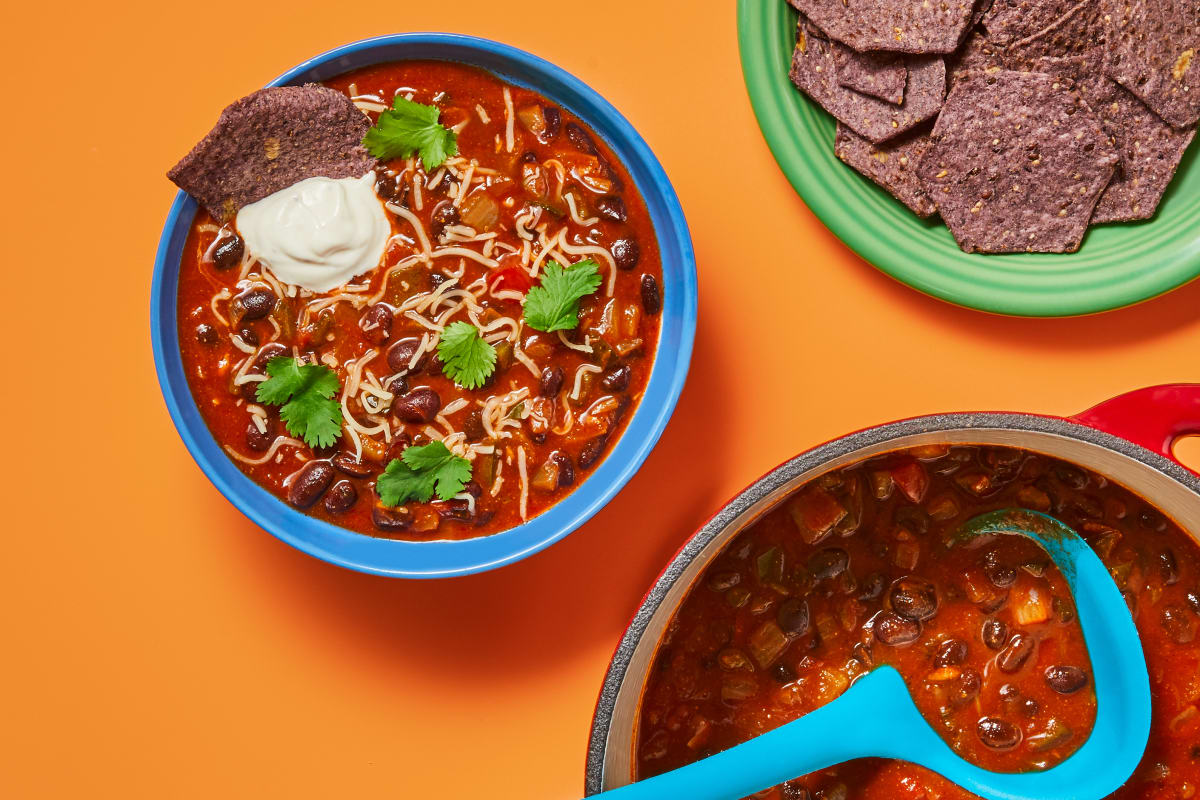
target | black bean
[
  {"x": 473, "y": 426},
  {"x": 872, "y": 587},
  {"x": 580, "y": 138},
  {"x": 1193, "y": 601},
  {"x": 351, "y": 465},
  {"x": 625, "y": 253},
  {"x": 1179, "y": 626},
  {"x": 268, "y": 352},
  {"x": 419, "y": 405},
  {"x": 529, "y": 157},
  {"x": 398, "y": 385},
  {"x": 793, "y": 616},
  {"x": 1087, "y": 506},
  {"x": 391, "y": 519},
  {"x": 445, "y": 214},
  {"x": 1066, "y": 680},
  {"x": 1075, "y": 478},
  {"x": 828, "y": 563},
  {"x": 720, "y": 581},
  {"x": 443, "y": 185},
  {"x": 592, "y": 451},
  {"x": 376, "y": 323},
  {"x": 914, "y": 598},
  {"x": 950, "y": 653},
  {"x": 257, "y": 303},
  {"x": 995, "y": 633},
  {"x": 340, "y": 497},
  {"x": 401, "y": 353},
  {"x": 1152, "y": 520},
  {"x": 1001, "y": 576},
  {"x": 310, "y": 483},
  {"x": 651, "y": 297},
  {"x": 894, "y": 630},
  {"x": 248, "y": 336},
  {"x": 1015, "y": 653},
  {"x": 257, "y": 440},
  {"x": 1168, "y": 567},
  {"x": 206, "y": 334},
  {"x": 551, "y": 381},
  {"x": 1029, "y": 707},
  {"x": 228, "y": 252},
  {"x": 998, "y": 734},
  {"x": 611, "y": 207},
  {"x": 553, "y": 123},
  {"x": 965, "y": 688},
  {"x": 782, "y": 673},
  {"x": 386, "y": 186},
  {"x": 617, "y": 379},
  {"x": 566, "y": 470}
]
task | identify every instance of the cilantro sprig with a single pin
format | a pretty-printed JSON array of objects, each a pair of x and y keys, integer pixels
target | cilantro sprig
[
  {"x": 421, "y": 472},
  {"x": 409, "y": 127},
  {"x": 466, "y": 358},
  {"x": 305, "y": 395},
  {"x": 554, "y": 304}
]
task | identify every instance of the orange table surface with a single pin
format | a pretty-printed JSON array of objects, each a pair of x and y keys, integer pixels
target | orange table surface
[{"x": 156, "y": 644}]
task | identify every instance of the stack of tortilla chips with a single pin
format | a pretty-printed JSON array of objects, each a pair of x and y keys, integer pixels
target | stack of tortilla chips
[{"x": 1020, "y": 122}]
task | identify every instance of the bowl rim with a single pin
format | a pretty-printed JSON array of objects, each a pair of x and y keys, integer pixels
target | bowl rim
[
  {"x": 443, "y": 557},
  {"x": 779, "y": 477}
]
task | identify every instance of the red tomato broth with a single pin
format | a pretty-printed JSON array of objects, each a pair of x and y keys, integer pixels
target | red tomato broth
[
  {"x": 622, "y": 329},
  {"x": 722, "y": 675}
]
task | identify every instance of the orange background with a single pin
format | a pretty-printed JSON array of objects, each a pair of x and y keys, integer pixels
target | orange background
[{"x": 156, "y": 644}]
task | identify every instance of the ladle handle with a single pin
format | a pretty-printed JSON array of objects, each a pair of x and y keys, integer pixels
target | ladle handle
[
  {"x": 1154, "y": 417},
  {"x": 847, "y": 728}
]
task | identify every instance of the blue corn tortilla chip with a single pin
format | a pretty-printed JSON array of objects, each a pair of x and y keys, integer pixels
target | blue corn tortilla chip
[
  {"x": 814, "y": 72},
  {"x": 977, "y": 54},
  {"x": 1082, "y": 29},
  {"x": 881, "y": 75},
  {"x": 1150, "y": 149},
  {"x": 903, "y": 26},
  {"x": 270, "y": 140},
  {"x": 1154, "y": 52},
  {"x": 1016, "y": 163},
  {"x": 892, "y": 165}
]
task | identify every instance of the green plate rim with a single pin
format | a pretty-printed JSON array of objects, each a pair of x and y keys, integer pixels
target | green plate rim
[{"x": 1117, "y": 266}]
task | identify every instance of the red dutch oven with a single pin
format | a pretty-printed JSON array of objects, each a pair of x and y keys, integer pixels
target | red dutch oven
[{"x": 1127, "y": 439}]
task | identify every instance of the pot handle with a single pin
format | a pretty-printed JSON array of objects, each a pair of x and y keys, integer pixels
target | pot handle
[{"x": 1155, "y": 417}]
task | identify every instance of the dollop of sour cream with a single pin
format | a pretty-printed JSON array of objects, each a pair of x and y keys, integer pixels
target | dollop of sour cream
[{"x": 319, "y": 233}]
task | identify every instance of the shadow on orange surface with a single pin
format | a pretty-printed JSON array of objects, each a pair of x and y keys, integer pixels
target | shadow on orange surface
[
  {"x": 523, "y": 619},
  {"x": 1143, "y": 322}
]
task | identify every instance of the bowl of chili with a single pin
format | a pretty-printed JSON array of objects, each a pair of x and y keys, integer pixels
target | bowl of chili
[
  {"x": 657, "y": 376},
  {"x": 844, "y": 558}
]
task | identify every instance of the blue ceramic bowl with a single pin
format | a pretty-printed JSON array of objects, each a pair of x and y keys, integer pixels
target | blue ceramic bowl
[{"x": 435, "y": 559}]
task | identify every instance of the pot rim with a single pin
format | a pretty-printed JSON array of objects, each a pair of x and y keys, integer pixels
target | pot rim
[{"x": 781, "y": 475}]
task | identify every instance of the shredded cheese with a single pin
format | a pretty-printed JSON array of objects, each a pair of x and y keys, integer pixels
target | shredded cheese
[
  {"x": 280, "y": 441},
  {"x": 509, "y": 121},
  {"x": 524, "y": 481},
  {"x": 579, "y": 373}
]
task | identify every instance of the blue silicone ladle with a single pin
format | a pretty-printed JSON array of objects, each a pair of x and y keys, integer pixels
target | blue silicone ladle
[{"x": 877, "y": 717}]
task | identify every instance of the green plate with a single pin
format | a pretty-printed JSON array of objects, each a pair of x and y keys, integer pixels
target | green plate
[{"x": 1118, "y": 264}]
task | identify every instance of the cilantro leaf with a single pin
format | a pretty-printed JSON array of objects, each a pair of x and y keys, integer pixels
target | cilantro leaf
[
  {"x": 305, "y": 395},
  {"x": 466, "y": 358},
  {"x": 420, "y": 472},
  {"x": 409, "y": 127},
  {"x": 554, "y": 305}
]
